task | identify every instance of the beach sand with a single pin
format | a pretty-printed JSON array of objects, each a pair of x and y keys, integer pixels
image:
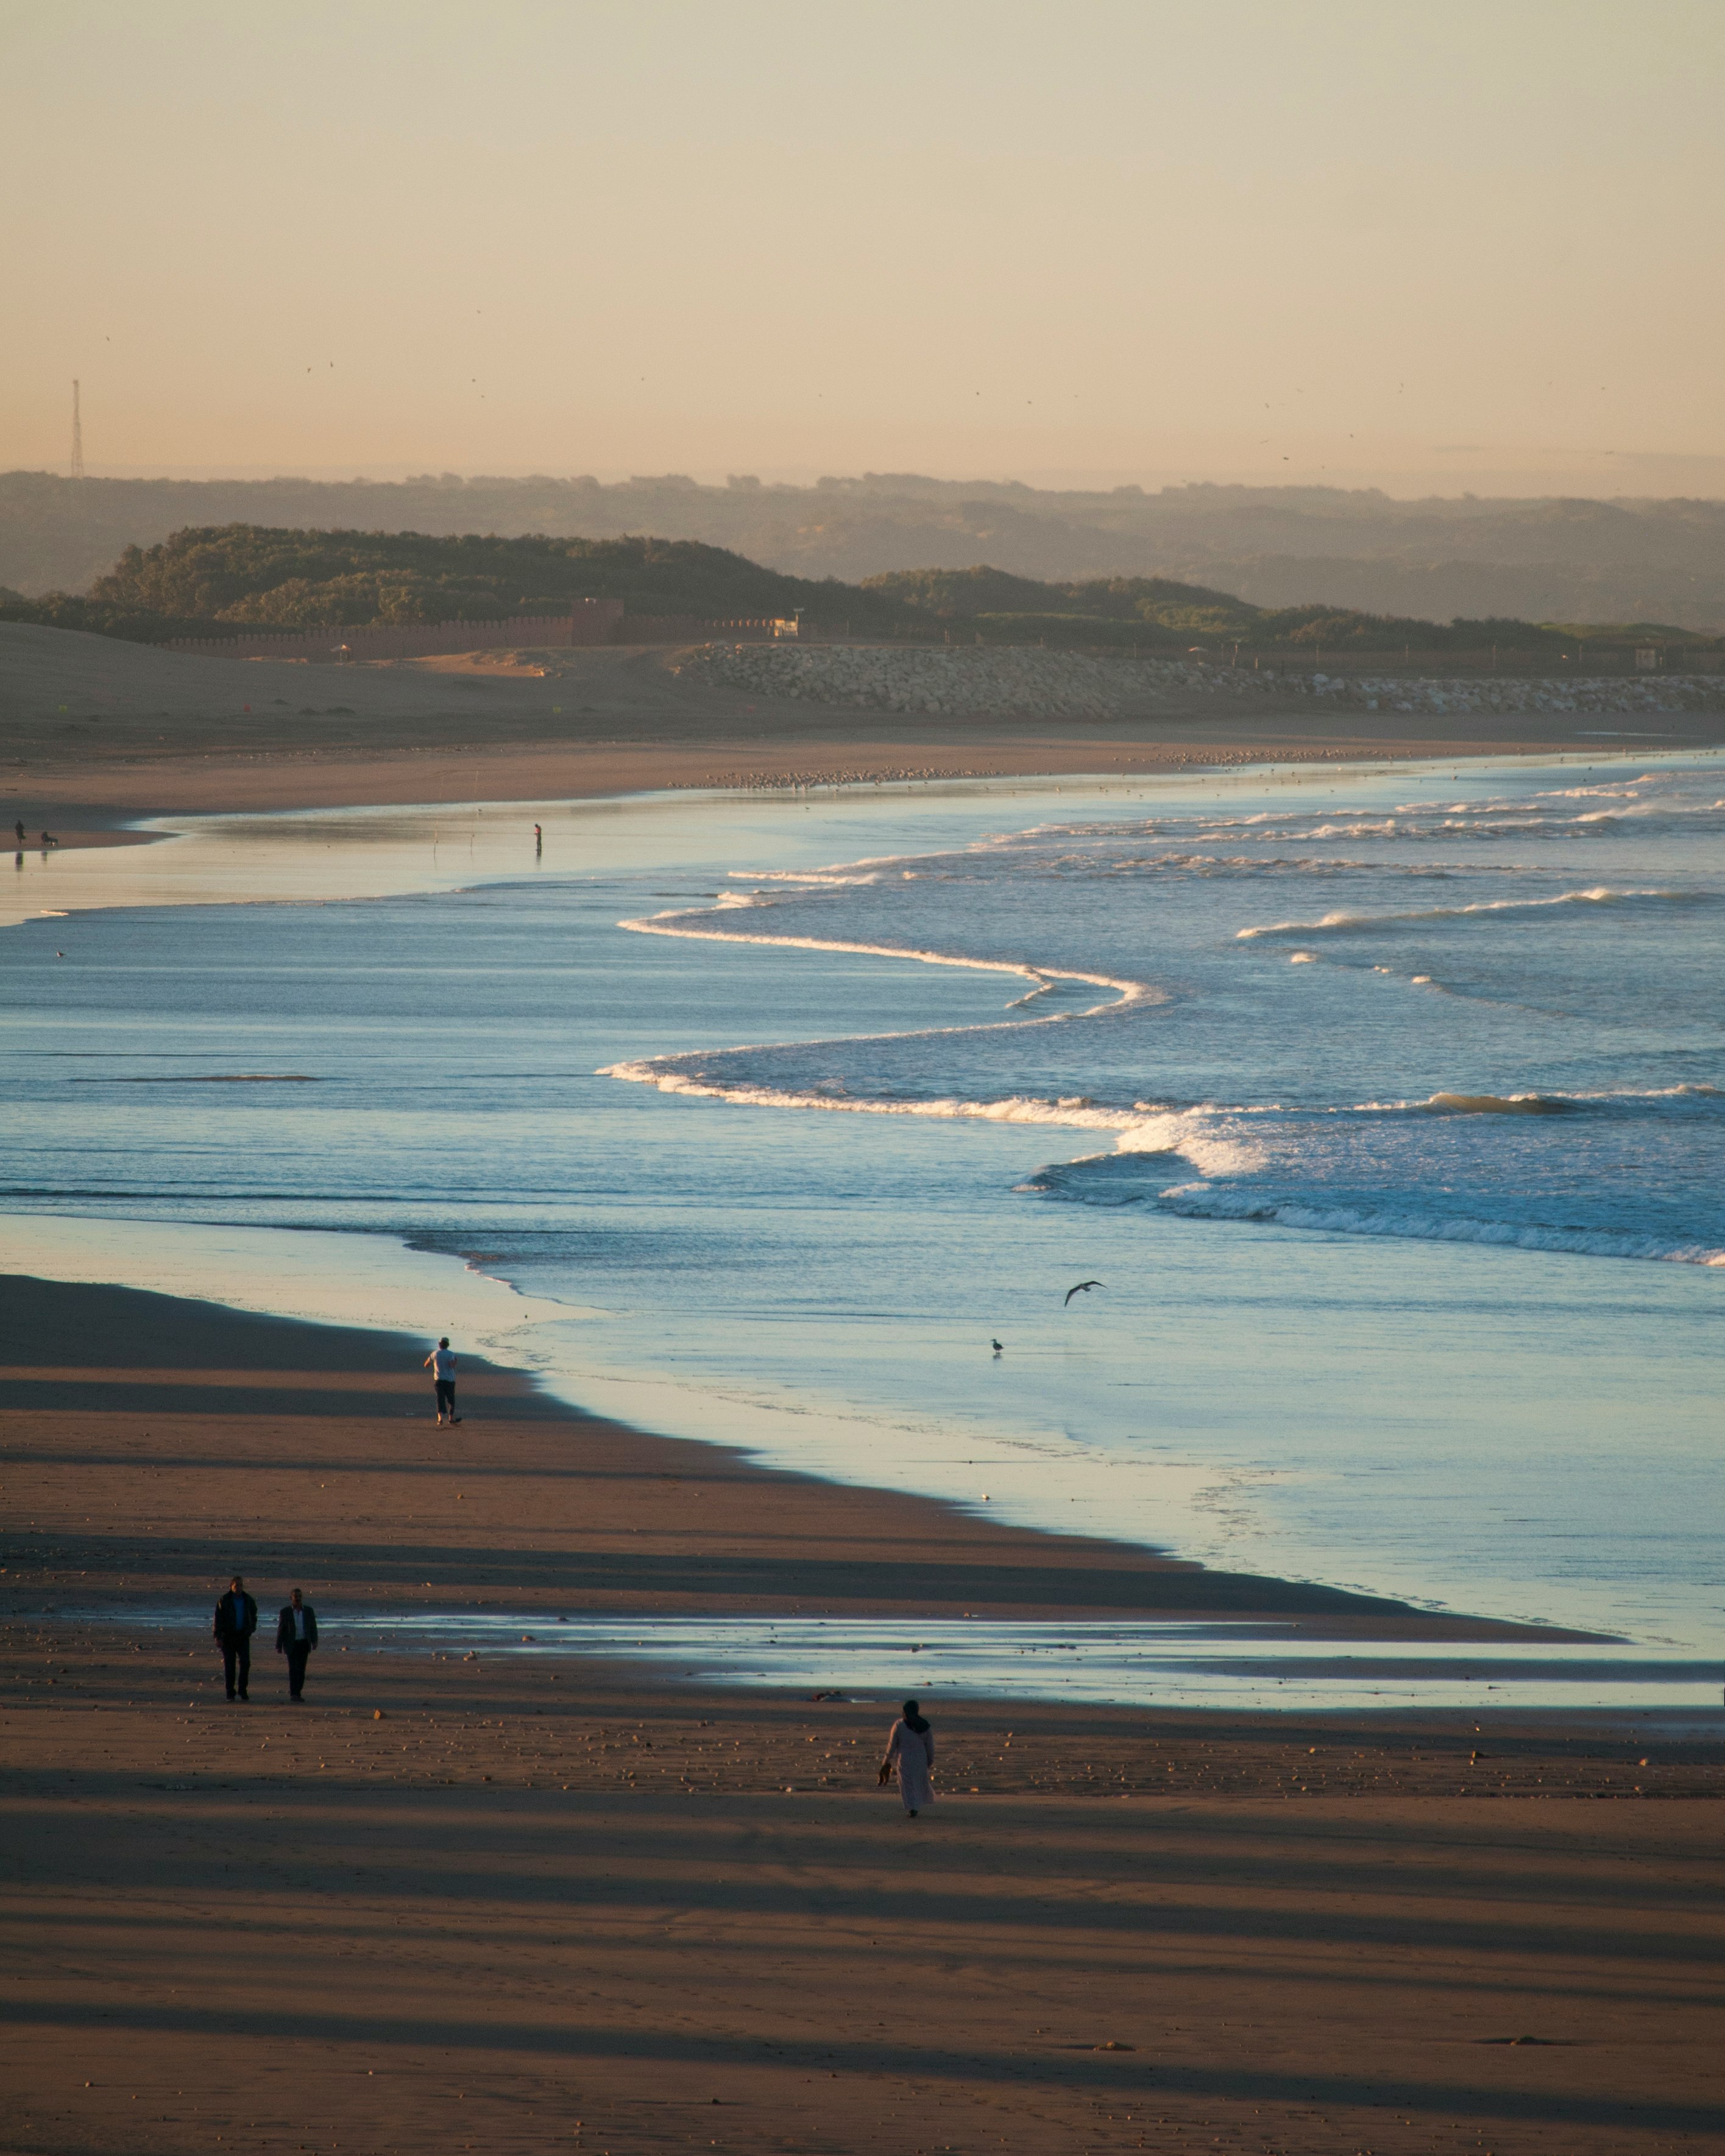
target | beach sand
[
  {"x": 99, "y": 730},
  {"x": 488, "y": 1904}
]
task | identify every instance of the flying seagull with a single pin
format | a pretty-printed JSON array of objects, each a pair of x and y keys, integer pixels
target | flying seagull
[{"x": 1083, "y": 1288}]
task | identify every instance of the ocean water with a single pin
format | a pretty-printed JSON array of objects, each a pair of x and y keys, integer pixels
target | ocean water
[{"x": 1385, "y": 1106}]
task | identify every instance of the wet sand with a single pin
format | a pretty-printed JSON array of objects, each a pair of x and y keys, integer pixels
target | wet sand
[
  {"x": 483, "y": 1903},
  {"x": 171, "y": 1441}
]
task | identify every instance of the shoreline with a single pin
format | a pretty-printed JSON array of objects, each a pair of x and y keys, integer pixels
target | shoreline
[
  {"x": 600, "y": 1524},
  {"x": 108, "y": 1364},
  {"x": 98, "y": 802},
  {"x": 561, "y": 1513}
]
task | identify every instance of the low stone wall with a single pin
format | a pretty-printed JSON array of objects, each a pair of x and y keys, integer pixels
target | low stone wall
[{"x": 1008, "y": 681}]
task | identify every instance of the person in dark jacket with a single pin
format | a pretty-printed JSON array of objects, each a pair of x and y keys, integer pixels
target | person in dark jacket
[
  {"x": 296, "y": 1636},
  {"x": 236, "y": 1620}
]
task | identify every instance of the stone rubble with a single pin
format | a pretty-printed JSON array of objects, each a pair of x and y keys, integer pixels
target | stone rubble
[{"x": 1017, "y": 682}]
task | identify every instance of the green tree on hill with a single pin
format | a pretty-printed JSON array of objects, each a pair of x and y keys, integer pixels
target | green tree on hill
[{"x": 247, "y": 573}]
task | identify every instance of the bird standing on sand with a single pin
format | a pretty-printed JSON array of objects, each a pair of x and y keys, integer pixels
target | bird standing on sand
[
  {"x": 1083, "y": 1287},
  {"x": 997, "y": 1345}
]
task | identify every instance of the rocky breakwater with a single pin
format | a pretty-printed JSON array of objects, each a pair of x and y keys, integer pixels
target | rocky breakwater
[
  {"x": 1016, "y": 681},
  {"x": 1513, "y": 696},
  {"x": 995, "y": 681}
]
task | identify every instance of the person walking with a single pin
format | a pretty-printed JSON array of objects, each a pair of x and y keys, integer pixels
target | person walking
[
  {"x": 441, "y": 1363},
  {"x": 236, "y": 1620},
  {"x": 296, "y": 1636},
  {"x": 910, "y": 1754}
]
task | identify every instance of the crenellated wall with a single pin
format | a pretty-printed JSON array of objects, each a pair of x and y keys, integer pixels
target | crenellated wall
[{"x": 592, "y": 621}]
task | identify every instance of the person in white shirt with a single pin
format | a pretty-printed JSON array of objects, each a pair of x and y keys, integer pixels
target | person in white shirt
[
  {"x": 296, "y": 1636},
  {"x": 441, "y": 1363}
]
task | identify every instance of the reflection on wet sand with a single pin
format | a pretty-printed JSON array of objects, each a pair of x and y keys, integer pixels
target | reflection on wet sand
[{"x": 1250, "y": 1666}]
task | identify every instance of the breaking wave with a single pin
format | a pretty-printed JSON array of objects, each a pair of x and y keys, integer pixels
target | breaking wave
[
  {"x": 1499, "y": 1104},
  {"x": 1413, "y": 1226},
  {"x": 1354, "y": 924},
  {"x": 1624, "y": 1171},
  {"x": 1075, "y": 1114}
]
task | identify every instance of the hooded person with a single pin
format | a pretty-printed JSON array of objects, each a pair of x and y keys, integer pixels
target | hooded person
[{"x": 910, "y": 1754}]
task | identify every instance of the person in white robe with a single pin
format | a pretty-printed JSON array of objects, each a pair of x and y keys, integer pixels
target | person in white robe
[{"x": 910, "y": 1754}]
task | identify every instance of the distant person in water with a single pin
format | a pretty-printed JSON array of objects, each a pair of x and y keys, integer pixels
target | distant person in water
[
  {"x": 538, "y": 839},
  {"x": 19, "y": 828},
  {"x": 236, "y": 1620},
  {"x": 441, "y": 1363},
  {"x": 296, "y": 1636},
  {"x": 910, "y": 1754}
]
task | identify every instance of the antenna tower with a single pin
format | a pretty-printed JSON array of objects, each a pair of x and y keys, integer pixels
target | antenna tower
[{"x": 77, "y": 436}]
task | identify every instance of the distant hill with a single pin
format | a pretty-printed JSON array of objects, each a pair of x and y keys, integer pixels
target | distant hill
[
  {"x": 1540, "y": 560},
  {"x": 248, "y": 577},
  {"x": 233, "y": 579}
]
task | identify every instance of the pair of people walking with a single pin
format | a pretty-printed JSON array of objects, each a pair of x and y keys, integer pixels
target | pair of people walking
[{"x": 237, "y": 1621}]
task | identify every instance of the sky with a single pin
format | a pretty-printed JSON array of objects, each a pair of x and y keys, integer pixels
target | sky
[{"x": 1438, "y": 248}]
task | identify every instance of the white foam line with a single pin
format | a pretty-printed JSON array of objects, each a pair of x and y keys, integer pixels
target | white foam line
[
  {"x": 1067, "y": 1116},
  {"x": 654, "y": 1071},
  {"x": 1127, "y": 992}
]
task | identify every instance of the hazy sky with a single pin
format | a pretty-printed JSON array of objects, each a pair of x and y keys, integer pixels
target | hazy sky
[{"x": 1435, "y": 244}]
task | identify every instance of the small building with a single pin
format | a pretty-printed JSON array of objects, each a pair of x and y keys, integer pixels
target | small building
[
  {"x": 794, "y": 627},
  {"x": 1647, "y": 658}
]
